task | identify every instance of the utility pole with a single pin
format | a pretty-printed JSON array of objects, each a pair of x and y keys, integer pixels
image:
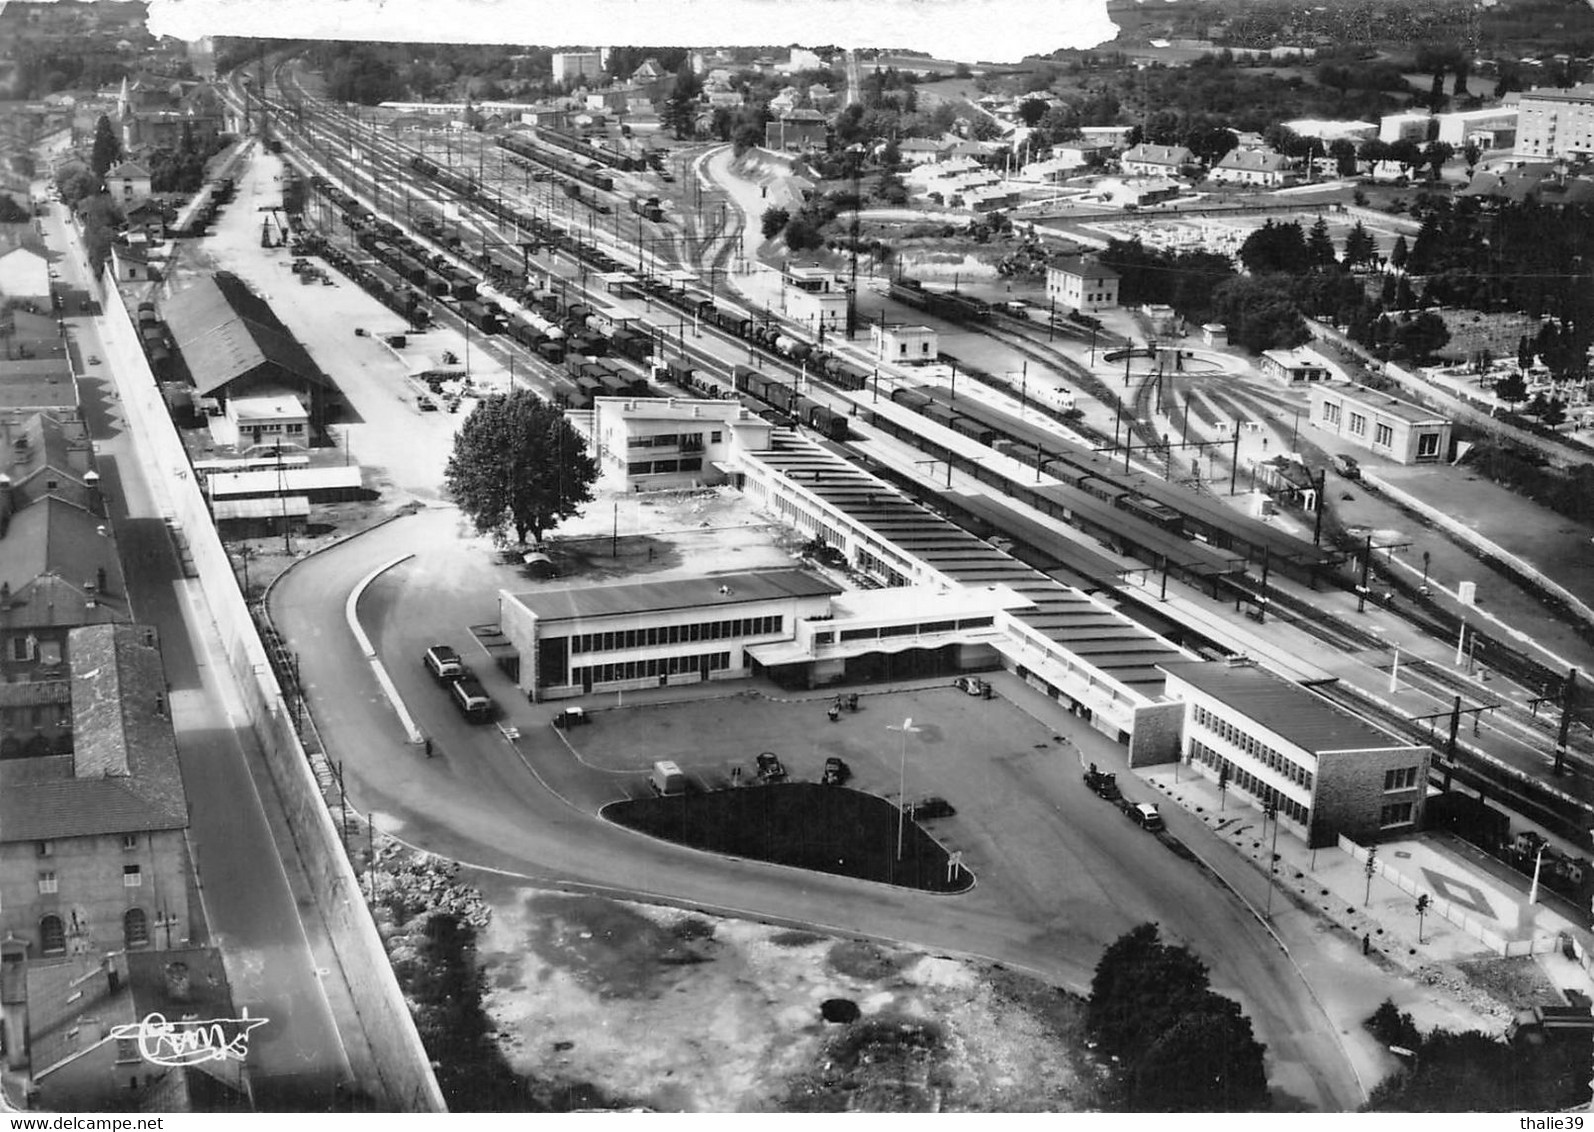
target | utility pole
[
  {"x": 1272, "y": 814},
  {"x": 1567, "y": 690}
]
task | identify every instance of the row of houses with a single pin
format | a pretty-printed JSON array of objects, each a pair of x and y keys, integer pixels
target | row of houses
[{"x": 95, "y": 874}]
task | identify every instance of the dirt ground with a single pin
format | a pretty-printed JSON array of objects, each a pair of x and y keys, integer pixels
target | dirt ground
[{"x": 661, "y": 1009}]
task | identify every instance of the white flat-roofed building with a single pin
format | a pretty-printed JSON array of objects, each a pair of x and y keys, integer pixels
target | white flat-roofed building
[
  {"x": 574, "y": 66},
  {"x": 1404, "y": 432},
  {"x": 1399, "y": 127},
  {"x": 1462, "y": 126},
  {"x": 268, "y": 417},
  {"x": 586, "y": 639},
  {"x": 1271, "y": 741},
  {"x": 814, "y": 297},
  {"x": 1328, "y": 131},
  {"x": 904, "y": 345},
  {"x": 1293, "y": 367},
  {"x": 654, "y": 443}
]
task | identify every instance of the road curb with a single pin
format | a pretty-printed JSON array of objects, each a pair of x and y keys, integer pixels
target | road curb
[{"x": 378, "y": 669}]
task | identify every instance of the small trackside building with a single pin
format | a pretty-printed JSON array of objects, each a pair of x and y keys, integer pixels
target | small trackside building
[
  {"x": 904, "y": 345},
  {"x": 1293, "y": 368},
  {"x": 1402, "y": 431},
  {"x": 576, "y": 641},
  {"x": 1081, "y": 284},
  {"x": 1272, "y": 741}
]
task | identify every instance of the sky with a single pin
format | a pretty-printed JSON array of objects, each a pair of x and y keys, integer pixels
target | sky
[{"x": 997, "y": 31}]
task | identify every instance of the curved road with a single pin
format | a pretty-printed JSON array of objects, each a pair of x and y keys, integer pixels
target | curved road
[{"x": 1068, "y": 875}]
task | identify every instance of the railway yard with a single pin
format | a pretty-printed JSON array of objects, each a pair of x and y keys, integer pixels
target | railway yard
[
  {"x": 563, "y": 258},
  {"x": 585, "y": 268}
]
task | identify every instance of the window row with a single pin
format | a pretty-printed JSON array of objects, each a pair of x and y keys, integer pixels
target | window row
[
  {"x": 663, "y": 467},
  {"x": 676, "y": 634},
  {"x": 1384, "y": 435},
  {"x": 50, "y": 885},
  {"x": 1242, "y": 779},
  {"x": 135, "y": 931},
  {"x": 1397, "y": 813},
  {"x": 1331, "y": 412},
  {"x": 911, "y": 628},
  {"x": 1358, "y": 424},
  {"x": 653, "y": 666},
  {"x": 693, "y": 440},
  {"x": 1254, "y": 747},
  {"x": 1401, "y": 778}
]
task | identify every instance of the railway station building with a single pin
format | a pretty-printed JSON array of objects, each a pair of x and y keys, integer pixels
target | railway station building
[
  {"x": 904, "y": 345},
  {"x": 814, "y": 297},
  {"x": 1271, "y": 741}
]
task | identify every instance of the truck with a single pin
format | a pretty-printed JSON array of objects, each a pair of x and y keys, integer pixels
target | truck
[
  {"x": 1543, "y": 1024},
  {"x": 472, "y": 699},
  {"x": 667, "y": 778}
]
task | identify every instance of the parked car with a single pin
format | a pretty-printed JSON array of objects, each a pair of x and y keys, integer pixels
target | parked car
[
  {"x": 1346, "y": 466},
  {"x": 1102, "y": 784},
  {"x": 926, "y": 809},
  {"x": 973, "y": 685},
  {"x": 667, "y": 778},
  {"x": 571, "y": 717},
  {"x": 444, "y": 663},
  {"x": 770, "y": 768},
  {"x": 472, "y": 699},
  {"x": 1145, "y": 815},
  {"x": 836, "y": 772}
]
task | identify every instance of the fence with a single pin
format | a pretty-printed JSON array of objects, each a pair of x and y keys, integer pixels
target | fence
[
  {"x": 402, "y": 1079},
  {"x": 1463, "y": 918}
]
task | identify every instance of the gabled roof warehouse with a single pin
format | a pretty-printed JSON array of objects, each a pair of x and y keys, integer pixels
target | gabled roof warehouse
[{"x": 225, "y": 332}]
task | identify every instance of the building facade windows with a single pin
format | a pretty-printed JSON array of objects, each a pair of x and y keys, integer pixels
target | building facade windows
[
  {"x": 628, "y": 639},
  {"x": 1427, "y": 445},
  {"x": 1358, "y": 425},
  {"x": 1383, "y": 435},
  {"x": 1397, "y": 813},
  {"x": 48, "y": 884},
  {"x": 132, "y": 876},
  {"x": 1401, "y": 778},
  {"x": 658, "y": 666}
]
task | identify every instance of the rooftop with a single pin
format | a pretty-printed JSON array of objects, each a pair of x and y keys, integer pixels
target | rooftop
[
  {"x": 1089, "y": 269},
  {"x": 123, "y": 776},
  {"x": 580, "y": 602},
  {"x": 225, "y": 331},
  {"x": 1289, "y": 710},
  {"x": 1383, "y": 403}
]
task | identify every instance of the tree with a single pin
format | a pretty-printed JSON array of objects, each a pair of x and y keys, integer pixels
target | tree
[
  {"x": 1421, "y": 337},
  {"x": 1032, "y": 110},
  {"x": 1554, "y": 412},
  {"x": 1206, "y": 1061},
  {"x": 518, "y": 465},
  {"x": 1343, "y": 151},
  {"x": 1140, "y": 984},
  {"x": 680, "y": 107},
  {"x": 1436, "y": 153},
  {"x": 1319, "y": 247},
  {"x": 1407, "y": 154},
  {"x": 773, "y": 220},
  {"x": 1359, "y": 246},
  {"x": 1373, "y": 151},
  {"x": 1399, "y": 254},
  {"x": 1512, "y": 389},
  {"x": 107, "y": 148},
  {"x": 1471, "y": 154},
  {"x": 1275, "y": 247}
]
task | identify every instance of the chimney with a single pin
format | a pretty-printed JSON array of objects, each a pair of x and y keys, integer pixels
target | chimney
[
  {"x": 5, "y": 502},
  {"x": 91, "y": 481}
]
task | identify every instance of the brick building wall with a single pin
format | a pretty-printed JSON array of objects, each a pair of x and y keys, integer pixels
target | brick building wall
[
  {"x": 1354, "y": 789},
  {"x": 91, "y": 891}
]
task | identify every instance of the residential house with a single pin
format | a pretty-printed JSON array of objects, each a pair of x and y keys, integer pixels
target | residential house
[
  {"x": 1556, "y": 123},
  {"x": 25, "y": 276},
  {"x": 1146, "y": 160},
  {"x": 1135, "y": 192},
  {"x": 93, "y": 853},
  {"x": 128, "y": 183},
  {"x": 1081, "y": 284},
  {"x": 920, "y": 151},
  {"x": 1252, "y": 167},
  {"x": 797, "y": 130}
]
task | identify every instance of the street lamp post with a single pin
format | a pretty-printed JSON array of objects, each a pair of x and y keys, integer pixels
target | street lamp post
[{"x": 905, "y": 729}]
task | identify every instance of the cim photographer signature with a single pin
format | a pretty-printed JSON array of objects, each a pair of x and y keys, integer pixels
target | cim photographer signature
[{"x": 190, "y": 1042}]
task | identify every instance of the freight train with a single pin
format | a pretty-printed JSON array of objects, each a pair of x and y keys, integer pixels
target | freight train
[{"x": 559, "y": 163}]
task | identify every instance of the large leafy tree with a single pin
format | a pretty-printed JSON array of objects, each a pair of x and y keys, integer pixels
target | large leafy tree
[
  {"x": 1181, "y": 1047},
  {"x": 680, "y": 108},
  {"x": 519, "y": 466},
  {"x": 1206, "y": 1061}
]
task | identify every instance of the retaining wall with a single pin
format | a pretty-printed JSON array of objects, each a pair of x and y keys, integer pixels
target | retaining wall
[{"x": 403, "y": 1079}]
